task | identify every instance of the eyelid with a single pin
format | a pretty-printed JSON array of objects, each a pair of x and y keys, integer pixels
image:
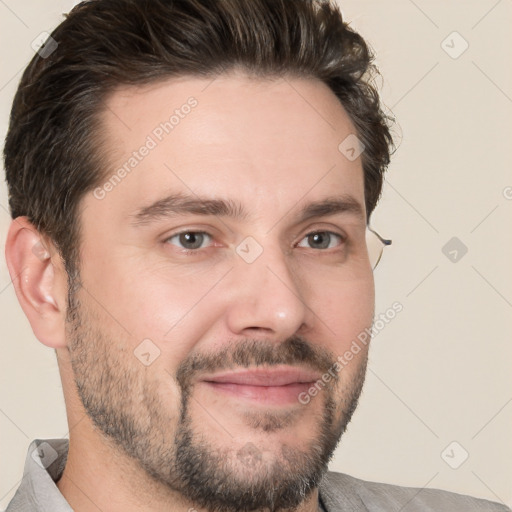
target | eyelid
[
  {"x": 319, "y": 227},
  {"x": 208, "y": 230}
]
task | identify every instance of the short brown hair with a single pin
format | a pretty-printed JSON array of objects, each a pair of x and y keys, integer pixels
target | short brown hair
[{"x": 52, "y": 149}]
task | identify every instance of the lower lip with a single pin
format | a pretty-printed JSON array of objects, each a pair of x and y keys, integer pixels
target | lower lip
[{"x": 268, "y": 395}]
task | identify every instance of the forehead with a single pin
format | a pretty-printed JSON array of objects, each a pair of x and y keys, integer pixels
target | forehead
[{"x": 262, "y": 142}]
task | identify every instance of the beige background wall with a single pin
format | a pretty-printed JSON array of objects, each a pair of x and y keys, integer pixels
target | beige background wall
[{"x": 440, "y": 371}]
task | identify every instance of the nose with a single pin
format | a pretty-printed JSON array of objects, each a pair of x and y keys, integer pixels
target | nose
[{"x": 267, "y": 298}]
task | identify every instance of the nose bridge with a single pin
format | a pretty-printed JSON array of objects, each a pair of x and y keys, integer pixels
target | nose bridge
[{"x": 267, "y": 293}]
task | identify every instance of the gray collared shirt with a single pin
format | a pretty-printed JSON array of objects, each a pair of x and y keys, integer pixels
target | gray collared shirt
[{"x": 43, "y": 467}]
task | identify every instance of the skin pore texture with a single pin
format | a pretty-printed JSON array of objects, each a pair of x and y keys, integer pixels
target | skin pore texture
[{"x": 164, "y": 425}]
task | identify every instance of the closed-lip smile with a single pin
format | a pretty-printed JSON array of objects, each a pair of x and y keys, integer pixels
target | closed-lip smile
[
  {"x": 276, "y": 376},
  {"x": 278, "y": 385}
]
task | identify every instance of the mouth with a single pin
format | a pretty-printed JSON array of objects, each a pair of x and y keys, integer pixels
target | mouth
[{"x": 280, "y": 385}]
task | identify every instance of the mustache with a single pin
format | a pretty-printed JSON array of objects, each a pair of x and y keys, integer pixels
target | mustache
[{"x": 249, "y": 353}]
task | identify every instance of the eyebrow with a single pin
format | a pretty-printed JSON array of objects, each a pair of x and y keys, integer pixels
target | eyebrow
[{"x": 183, "y": 204}]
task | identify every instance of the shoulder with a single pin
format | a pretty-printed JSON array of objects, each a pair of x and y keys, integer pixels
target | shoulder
[{"x": 339, "y": 492}]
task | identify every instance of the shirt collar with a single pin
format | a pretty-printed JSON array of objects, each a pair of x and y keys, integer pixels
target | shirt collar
[{"x": 43, "y": 467}]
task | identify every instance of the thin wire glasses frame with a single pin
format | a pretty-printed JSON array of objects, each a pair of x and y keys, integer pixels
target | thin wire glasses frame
[{"x": 375, "y": 244}]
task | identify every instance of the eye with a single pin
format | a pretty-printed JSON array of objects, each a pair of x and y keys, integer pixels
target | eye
[
  {"x": 321, "y": 240},
  {"x": 189, "y": 240}
]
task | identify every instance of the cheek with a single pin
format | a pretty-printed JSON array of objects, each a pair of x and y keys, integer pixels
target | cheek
[
  {"x": 172, "y": 309},
  {"x": 347, "y": 310}
]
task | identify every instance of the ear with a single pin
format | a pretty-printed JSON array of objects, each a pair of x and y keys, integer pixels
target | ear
[{"x": 40, "y": 281}]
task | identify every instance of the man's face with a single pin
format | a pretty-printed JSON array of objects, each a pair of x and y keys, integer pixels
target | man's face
[{"x": 201, "y": 328}]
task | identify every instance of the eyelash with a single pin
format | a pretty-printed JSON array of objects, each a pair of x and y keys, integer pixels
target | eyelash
[{"x": 186, "y": 251}]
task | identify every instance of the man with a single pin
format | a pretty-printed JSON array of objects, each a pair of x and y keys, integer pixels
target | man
[{"x": 191, "y": 184}]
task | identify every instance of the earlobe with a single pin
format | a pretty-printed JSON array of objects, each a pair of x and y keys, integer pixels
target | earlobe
[{"x": 39, "y": 280}]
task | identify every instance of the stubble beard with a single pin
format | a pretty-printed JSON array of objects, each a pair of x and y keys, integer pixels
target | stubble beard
[{"x": 124, "y": 403}]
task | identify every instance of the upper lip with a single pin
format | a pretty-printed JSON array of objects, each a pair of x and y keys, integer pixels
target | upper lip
[{"x": 276, "y": 376}]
